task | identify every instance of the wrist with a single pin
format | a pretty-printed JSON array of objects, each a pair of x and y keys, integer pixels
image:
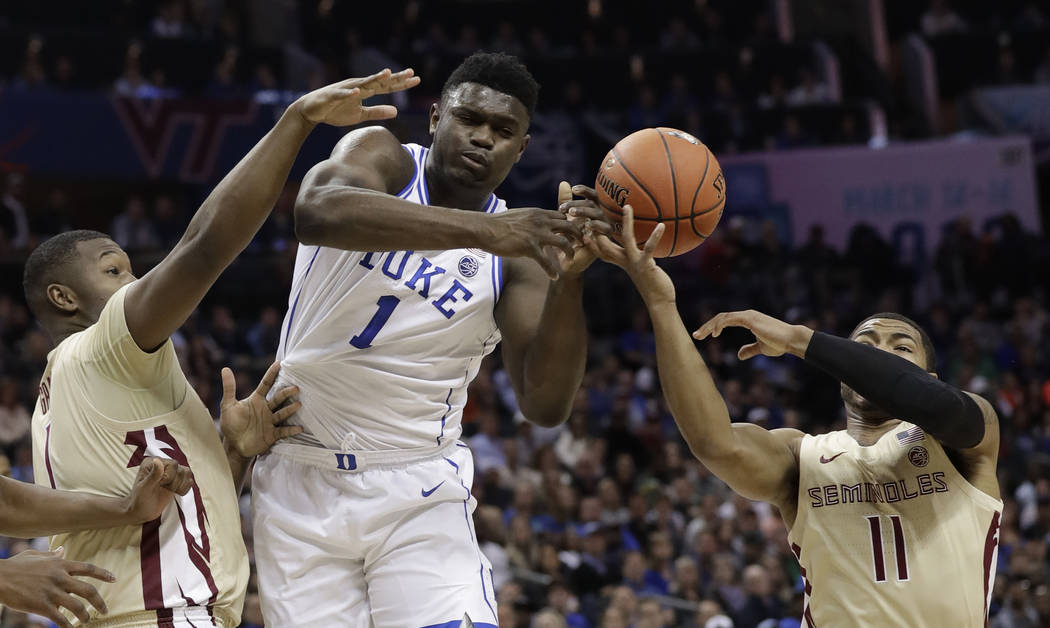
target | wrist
[
  {"x": 294, "y": 113},
  {"x": 232, "y": 450},
  {"x": 799, "y": 343}
]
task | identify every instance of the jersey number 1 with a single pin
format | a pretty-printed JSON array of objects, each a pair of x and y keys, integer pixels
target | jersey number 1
[
  {"x": 900, "y": 547},
  {"x": 386, "y": 308}
]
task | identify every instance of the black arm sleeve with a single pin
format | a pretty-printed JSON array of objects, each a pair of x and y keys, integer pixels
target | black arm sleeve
[{"x": 900, "y": 388}]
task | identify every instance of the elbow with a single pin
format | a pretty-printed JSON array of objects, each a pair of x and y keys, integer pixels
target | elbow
[{"x": 545, "y": 415}]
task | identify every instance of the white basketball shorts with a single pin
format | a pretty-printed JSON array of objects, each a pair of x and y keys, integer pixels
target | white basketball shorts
[{"x": 358, "y": 540}]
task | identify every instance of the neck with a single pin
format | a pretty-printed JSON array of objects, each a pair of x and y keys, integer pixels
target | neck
[
  {"x": 445, "y": 193},
  {"x": 60, "y": 330},
  {"x": 867, "y": 428}
]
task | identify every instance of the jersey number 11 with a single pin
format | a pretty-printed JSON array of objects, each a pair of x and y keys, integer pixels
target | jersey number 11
[{"x": 900, "y": 547}]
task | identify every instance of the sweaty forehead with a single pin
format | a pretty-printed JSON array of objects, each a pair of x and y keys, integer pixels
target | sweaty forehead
[
  {"x": 486, "y": 99},
  {"x": 885, "y": 327}
]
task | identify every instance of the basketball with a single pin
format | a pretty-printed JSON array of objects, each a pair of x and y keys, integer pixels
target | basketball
[{"x": 666, "y": 175}]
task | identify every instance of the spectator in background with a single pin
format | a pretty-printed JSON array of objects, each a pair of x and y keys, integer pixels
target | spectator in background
[
  {"x": 774, "y": 96},
  {"x": 940, "y": 19},
  {"x": 14, "y": 222},
  {"x": 677, "y": 37},
  {"x": 32, "y": 74},
  {"x": 1042, "y": 71},
  {"x": 14, "y": 417},
  {"x": 809, "y": 90},
  {"x": 132, "y": 229},
  {"x": 131, "y": 82},
  {"x": 170, "y": 21}
]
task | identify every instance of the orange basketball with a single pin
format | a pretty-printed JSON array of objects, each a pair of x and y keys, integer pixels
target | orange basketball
[{"x": 668, "y": 176}]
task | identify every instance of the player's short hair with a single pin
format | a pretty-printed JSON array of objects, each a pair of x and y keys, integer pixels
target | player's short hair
[
  {"x": 47, "y": 263},
  {"x": 500, "y": 71},
  {"x": 927, "y": 344}
]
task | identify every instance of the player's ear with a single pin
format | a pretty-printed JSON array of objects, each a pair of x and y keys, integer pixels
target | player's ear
[
  {"x": 524, "y": 145},
  {"x": 63, "y": 297},
  {"x": 435, "y": 115}
]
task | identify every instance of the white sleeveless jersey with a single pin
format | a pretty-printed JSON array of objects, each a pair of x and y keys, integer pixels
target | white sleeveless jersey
[{"x": 383, "y": 344}]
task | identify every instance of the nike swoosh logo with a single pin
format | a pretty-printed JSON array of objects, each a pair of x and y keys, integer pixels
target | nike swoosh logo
[
  {"x": 427, "y": 493},
  {"x": 824, "y": 460}
]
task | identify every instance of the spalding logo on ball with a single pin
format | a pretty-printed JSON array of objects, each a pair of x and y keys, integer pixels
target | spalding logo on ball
[{"x": 668, "y": 176}]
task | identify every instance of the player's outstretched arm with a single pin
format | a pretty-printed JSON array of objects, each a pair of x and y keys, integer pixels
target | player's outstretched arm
[
  {"x": 28, "y": 510},
  {"x": 228, "y": 219},
  {"x": 754, "y": 462},
  {"x": 44, "y": 582},
  {"x": 350, "y": 202},
  {"x": 898, "y": 387},
  {"x": 252, "y": 425}
]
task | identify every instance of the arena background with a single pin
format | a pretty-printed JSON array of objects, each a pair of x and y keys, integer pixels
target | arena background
[{"x": 880, "y": 155}]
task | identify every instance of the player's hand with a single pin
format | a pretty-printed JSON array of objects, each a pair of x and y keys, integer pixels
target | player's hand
[
  {"x": 44, "y": 582},
  {"x": 588, "y": 215},
  {"x": 652, "y": 282},
  {"x": 158, "y": 481},
  {"x": 773, "y": 337},
  {"x": 253, "y": 425},
  {"x": 541, "y": 234},
  {"x": 339, "y": 104}
]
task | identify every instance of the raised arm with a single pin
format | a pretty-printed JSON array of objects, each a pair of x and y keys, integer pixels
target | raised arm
[
  {"x": 756, "y": 463},
  {"x": 898, "y": 387},
  {"x": 228, "y": 219},
  {"x": 350, "y": 202}
]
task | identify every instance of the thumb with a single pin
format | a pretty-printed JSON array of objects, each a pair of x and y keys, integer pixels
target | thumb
[
  {"x": 564, "y": 192},
  {"x": 59, "y": 552},
  {"x": 229, "y": 387},
  {"x": 748, "y": 351}
]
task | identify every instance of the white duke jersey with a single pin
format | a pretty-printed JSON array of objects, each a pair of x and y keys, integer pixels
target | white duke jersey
[
  {"x": 382, "y": 345},
  {"x": 892, "y": 534}
]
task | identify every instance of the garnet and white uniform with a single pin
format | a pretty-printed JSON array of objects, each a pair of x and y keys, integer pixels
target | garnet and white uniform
[
  {"x": 105, "y": 404},
  {"x": 366, "y": 519},
  {"x": 892, "y": 534}
]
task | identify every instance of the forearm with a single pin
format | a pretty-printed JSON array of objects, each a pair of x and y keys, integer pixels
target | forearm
[
  {"x": 28, "y": 510},
  {"x": 695, "y": 402},
  {"x": 359, "y": 219},
  {"x": 557, "y": 357},
  {"x": 239, "y": 465},
  {"x": 900, "y": 388},
  {"x": 231, "y": 215}
]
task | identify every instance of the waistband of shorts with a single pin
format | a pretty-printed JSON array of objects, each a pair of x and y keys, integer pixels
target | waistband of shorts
[
  {"x": 353, "y": 461},
  {"x": 144, "y": 619}
]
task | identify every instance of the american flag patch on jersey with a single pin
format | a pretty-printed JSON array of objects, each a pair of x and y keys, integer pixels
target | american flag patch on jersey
[{"x": 907, "y": 437}]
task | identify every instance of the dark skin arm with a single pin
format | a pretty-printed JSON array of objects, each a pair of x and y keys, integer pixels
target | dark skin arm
[
  {"x": 44, "y": 582},
  {"x": 774, "y": 337},
  {"x": 542, "y": 322},
  {"x": 756, "y": 463},
  {"x": 349, "y": 202},
  {"x": 160, "y": 302},
  {"x": 28, "y": 510}
]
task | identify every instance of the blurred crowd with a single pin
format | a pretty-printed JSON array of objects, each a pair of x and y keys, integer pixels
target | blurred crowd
[
  {"x": 720, "y": 69},
  {"x": 607, "y": 520}
]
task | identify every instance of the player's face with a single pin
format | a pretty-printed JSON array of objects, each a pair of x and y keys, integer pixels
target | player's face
[
  {"x": 103, "y": 268},
  {"x": 479, "y": 134},
  {"x": 887, "y": 334}
]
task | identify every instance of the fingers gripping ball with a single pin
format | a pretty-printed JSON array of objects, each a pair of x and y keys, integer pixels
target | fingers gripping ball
[{"x": 667, "y": 176}]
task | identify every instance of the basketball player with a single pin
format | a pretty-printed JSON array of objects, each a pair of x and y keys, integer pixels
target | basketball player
[
  {"x": 410, "y": 271},
  {"x": 895, "y": 519},
  {"x": 113, "y": 391},
  {"x": 41, "y": 582}
]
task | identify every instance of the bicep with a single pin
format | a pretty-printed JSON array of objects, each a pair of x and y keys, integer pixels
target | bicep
[
  {"x": 761, "y": 465},
  {"x": 518, "y": 314},
  {"x": 989, "y": 444}
]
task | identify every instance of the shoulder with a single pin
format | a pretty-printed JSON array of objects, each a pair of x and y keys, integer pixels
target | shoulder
[{"x": 365, "y": 157}]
